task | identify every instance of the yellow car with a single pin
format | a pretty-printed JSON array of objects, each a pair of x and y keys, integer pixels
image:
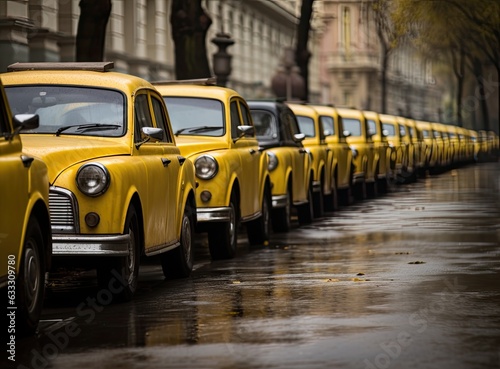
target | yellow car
[
  {"x": 382, "y": 150},
  {"x": 215, "y": 130},
  {"x": 279, "y": 136},
  {"x": 25, "y": 238},
  {"x": 119, "y": 186},
  {"x": 428, "y": 150},
  {"x": 323, "y": 184},
  {"x": 396, "y": 136},
  {"x": 365, "y": 158},
  {"x": 454, "y": 140}
]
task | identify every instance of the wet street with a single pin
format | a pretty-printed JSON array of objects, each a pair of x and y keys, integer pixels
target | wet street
[{"x": 410, "y": 279}]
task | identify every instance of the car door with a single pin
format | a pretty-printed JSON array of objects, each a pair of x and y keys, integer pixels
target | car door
[
  {"x": 154, "y": 184},
  {"x": 14, "y": 189},
  {"x": 300, "y": 157},
  {"x": 171, "y": 154},
  {"x": 249, "y": 157}
]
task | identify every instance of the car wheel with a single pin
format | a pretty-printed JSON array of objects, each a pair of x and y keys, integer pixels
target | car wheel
[
  {"x": 318, "y": 203},
  {"x": 222, "y": 237},
  {"x": 31, "y": 280},
  {"x": 332, "y": 200},
  {"x": 281, "y": 218},
  {"x": 305, "y": 212},
  {"x": 124, "y": 269},
  {"x": 259, "y": 230},
  {"x": 178, "y": 263}
]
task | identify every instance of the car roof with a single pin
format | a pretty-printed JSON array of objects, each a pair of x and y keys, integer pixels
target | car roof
[
  {"x": 69, "y": 74},
  {"x": 195, "y": 90}
]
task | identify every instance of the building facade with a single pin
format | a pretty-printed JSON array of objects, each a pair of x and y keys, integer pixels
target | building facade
[
  {"x": 139, "y": 38},
  {"x": 351, "y": 63}
]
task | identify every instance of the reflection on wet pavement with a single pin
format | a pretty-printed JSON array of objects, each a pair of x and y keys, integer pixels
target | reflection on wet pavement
[{"x": 406, "y": 280}]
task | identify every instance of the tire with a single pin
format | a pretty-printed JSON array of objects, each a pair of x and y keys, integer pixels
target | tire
[
  {"x": 318, "y": 203},
  {"x": 124, "y": 269},
  {"x": 30, "y": 286},
  {"x": 332, "y": 200},
  {"x": 178, "y": 263},
  {"x": 305, "y": 212},
  {"x": 259, "y": 230},
  {"x": 223, "y": 237},
  {"x": 281, "y": 218}
]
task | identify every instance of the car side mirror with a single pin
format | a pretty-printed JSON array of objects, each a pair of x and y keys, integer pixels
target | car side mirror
[
  {"x": 346, "y": 133},
  {"x": 327, "y": 132},
  {"x": 385, "y": 133},
  {"x": 152, "y": 133},
  {"x": 299, "y": 137},
  {"x": 26, "y": 121},
  {"x": 371, "y": 133}
]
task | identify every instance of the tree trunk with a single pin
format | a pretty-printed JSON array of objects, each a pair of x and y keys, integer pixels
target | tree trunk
[
  {"x": 478, "y": 73},
  {"x": 302, "y": 54},
  {"x": 91, "y": 33},
  {"x": 383, "y": 82},
  {"x": 190, "y": 24}
]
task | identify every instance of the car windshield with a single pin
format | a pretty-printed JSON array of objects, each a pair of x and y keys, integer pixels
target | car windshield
[
  {"x": 306, "y": 125},
  {"x": 196, "y": 116},
  {"x": 353, "y": 126},
  {"x": 71, "y": 110},
  {"x": 328, "y": 125},
  {"x": 265, "y": 124}
]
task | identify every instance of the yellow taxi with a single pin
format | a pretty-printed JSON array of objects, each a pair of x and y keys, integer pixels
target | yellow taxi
[
  {"x": 365, "y": 158},
  {"x": 475, "y": 144},
  {"x": 428, "y": 150},
  {"x": 279, "y": 136},
  {"x": 323, "y": 185},
  {"x": 454, "y": 142},
  {"x": 215, "y": 130},
  {"x": 382, "y": 150},
  {"x": 342, "y": 161},
  {"x": 399, "y": 141},
  {"x": 25, "y": 237},
  {"x": 119, "y": 186}
]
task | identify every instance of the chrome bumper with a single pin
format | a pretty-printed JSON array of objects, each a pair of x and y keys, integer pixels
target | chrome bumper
[
  {"x": 213, "y": 214},
  {"x": 99, "y": 245}
]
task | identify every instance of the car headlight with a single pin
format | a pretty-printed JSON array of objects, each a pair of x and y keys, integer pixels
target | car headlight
[
  {"x": 206, "y": 167},
  {"x": 272, "y": 162},
  {"x": 93, "y": 179}
]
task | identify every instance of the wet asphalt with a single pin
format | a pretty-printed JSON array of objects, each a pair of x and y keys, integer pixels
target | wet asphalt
[{"x": 409, "y": 279}]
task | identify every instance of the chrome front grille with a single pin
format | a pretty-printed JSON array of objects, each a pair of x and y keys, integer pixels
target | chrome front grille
[{"x": 63, "y": 211}]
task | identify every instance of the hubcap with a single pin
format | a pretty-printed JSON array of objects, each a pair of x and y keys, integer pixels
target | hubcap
[{"x": 32, "y": 276}]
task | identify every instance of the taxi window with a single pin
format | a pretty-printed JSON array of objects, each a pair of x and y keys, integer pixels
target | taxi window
[
  {"x": 372, "y": 127},
  {"x": 161, "y": 119},
  {"x": 402, "y": 131},
  {"x": 235, "y": 119},
  {"x": 306, "y": 125},
  {"x": 391, "y": 130},
  {"x": 142, "y": 116},
  {"x": 425, "y": 133},
  {"x": 265, "y": 124},
  {"x": 195, "y": 116},
  {"x": 353, "y": 126},
  {"x": 412, "y": 132},
  {"x": 3, "y": 117},
  {"x": 328, "y": 125},
  {"x": 247, "y": 120},
  {"x": 71, "y": 110}
]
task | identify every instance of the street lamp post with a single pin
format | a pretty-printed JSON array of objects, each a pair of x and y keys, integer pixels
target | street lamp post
[
  {"x": 222, "y": 59},
  {"x": 287, "y": 81}
]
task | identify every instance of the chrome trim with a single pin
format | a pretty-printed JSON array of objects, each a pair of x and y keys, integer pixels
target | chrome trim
[
  {"x": 358, "y": 178},
  {"x": 251, "y": 217},
  {"x": 220, "y": 214},
  {"x": 279, "y": 201},
  {"x": 162, "y": 248},
  {"x": 63, "y": 217},
  {"x": 316, "y": 186},
  {"x": 101, "y": 245}
]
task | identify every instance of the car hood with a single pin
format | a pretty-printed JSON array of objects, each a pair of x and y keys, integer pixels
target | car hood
[
  {"x": 60, "y": 152},
  {"x": 192, "y": 145}
]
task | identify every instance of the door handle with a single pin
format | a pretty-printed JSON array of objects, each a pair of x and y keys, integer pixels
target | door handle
[
  {"x": 303, "y": 151},
  {"x": 27, "y": 160},
  {"x": 165, "y": 162},
  {"x": 252, "y": 151}
]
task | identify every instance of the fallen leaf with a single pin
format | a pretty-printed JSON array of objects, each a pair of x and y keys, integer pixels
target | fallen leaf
[
  {"x": 417, "y": 262},
  {"x": 360, "y": 273}
]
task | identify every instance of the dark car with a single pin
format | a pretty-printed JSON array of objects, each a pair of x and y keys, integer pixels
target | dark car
[{"x": 279, "y": 136}]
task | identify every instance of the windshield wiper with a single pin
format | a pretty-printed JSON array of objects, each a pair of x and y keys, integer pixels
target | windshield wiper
[
  {"x": 88, "y": 127},
  {"x": 197, "y": 129}
]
